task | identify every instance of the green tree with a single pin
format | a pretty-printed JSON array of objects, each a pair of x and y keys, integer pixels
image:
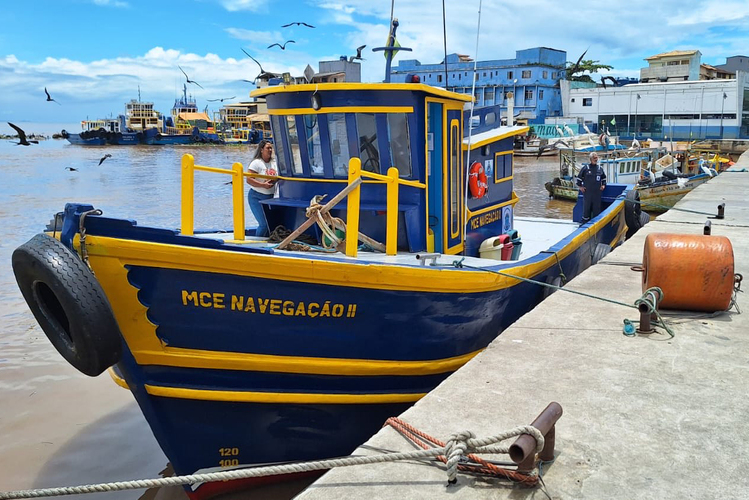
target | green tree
[{"x": 576, "y": 72}]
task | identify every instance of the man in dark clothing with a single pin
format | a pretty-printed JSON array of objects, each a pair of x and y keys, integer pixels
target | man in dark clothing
[{"x": 591, "y": 180}]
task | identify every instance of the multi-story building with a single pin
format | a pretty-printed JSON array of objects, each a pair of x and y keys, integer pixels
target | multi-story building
[
  {"x": 677, "y": 65},
  {"x": 734, "y": 64},
  {"x": 532, "y": 77},
  {"x": 679, "y": 110}
]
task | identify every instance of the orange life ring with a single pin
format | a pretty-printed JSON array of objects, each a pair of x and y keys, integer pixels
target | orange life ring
[{"x": 477, "y": 181}]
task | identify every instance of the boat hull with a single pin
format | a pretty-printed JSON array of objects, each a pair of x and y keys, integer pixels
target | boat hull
[
  {"x": 242, "y": 357},
  {"x": 656, "y": 198}
]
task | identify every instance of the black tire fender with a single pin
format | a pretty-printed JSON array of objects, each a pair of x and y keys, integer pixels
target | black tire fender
[
  {"x": 632, "y": 211},
  {"x": 69, "y": 304}
]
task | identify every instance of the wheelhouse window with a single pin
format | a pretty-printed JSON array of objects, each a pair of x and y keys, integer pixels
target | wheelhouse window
[
  {"x": 338, "y": 143},
  {"x": 455, "y": 142},
  {"x": 296, "y": 155},
  {"x": 314, "y": 148},
  {"x": 400, "y": 143},
  {"x": 277, "y": 126},
  {"x": 502, "y": 167},
  {"x": 369, "y": 152}
]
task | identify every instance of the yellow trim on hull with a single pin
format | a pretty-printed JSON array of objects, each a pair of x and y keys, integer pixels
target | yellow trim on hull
[
  {"x": 222, "y": 360},
  {"x": 117, "y": 379},
  {"x": 280, "y": 397}
]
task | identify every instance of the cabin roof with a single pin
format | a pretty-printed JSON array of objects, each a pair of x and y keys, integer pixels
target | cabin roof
[
  {"x": 194, "y": 116},
  {"x": 494, "y": 135},
  {"x": 436, "y": 91}
]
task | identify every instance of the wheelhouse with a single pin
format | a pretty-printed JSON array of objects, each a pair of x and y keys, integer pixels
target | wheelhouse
[{"x": 414, "y": 128}]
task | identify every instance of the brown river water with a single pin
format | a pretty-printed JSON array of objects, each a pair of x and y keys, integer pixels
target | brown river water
[{"x": 57, "y": 426}]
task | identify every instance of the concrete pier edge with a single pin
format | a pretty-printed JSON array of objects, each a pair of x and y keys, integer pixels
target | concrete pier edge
[{"x": 644, "y": 417}]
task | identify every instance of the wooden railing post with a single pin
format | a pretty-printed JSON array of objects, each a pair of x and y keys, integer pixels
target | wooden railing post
[
  {"x": 352, "y": 210},
  {"x": 391, "y": 239},
  {"x": 188, "y": 193},
  {"x": 237, "y": 189}
]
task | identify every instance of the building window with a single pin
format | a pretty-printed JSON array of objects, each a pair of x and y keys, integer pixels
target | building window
[
  {"x": 587, "y": 101},
  {"x": 685, "y": 61},
  {"x": 540, "y": 95},
  {"x": 476, "y": 77},
  {"x": 439, "y": 78},
  {"x": 672, "y": 63},
  {"x": 484, "y": 73},
  {"x": 545, "y": 74},
  {"x": 526, "y": 74},
  {"x": 459, "y": 76},
  {"x": 489, "y": 94},
  {"x": 528, "y": 94},
  {"x": 553, "y": 75},
  {"x": 509, "y": 75},
  {"x": 573, "y": 99}
]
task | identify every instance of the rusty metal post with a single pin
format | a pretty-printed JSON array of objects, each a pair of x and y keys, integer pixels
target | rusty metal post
[
  {"x": 646, "y": 315},
  {"x": 721, "y": 211},
  {"x": 708, "y": 228},
  {"x": 523, "y": 450}
]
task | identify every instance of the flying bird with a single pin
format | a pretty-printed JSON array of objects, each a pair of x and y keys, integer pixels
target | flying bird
[
  {"x": 22, "y": 136},
  {"x": 222, "y": 100},
  {"x": 283, "y": 47},
  {"x": 358, "y": 54},
  {"x": 71, "y": 169},
  {"x": 262, "y": 71},
  {"x": 298, "y": 24},
  {"x": 555, "y": 145},
  {"x": 610, "y": 78},
  {"x": 577, "y": 64},
  {"x": 104, "y": 158},
  {"x": 188, "y": 78},
  {"x": 49, "y": 98}
]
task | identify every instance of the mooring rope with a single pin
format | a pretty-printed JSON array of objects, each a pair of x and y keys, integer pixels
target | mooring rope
[{"x": 457, "y": 446}]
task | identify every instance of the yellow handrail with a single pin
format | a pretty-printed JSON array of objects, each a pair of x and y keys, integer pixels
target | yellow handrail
[
  {"x": 188, "y": 195},
  {"x": 393, "y": 181}
]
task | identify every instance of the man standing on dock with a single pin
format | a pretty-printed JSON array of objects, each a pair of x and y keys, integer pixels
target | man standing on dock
[{"x": 592, "y": 181}]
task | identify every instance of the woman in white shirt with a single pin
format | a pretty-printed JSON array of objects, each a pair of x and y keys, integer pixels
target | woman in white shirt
[{"x": 261, "y": 189}]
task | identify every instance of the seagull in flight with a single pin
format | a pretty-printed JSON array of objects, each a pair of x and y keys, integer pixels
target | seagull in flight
[
  {"x": 283, "y": 47},
  {"x": 358, "y": 54},
  {"x": 104, "y": 158},
  {"x": 49, "y": 98},
  {"x": 222, "y": 100},
  {"x": 262, "y": 71},
  {"x": 555, "y": 145},
  {"x": 22, "y": 136},
  {"x": 298, "y": 24},
  {"x": 188, "y": 78},
  {"x": 577, "y": 64},
  {"x": 71, "y": 169}
]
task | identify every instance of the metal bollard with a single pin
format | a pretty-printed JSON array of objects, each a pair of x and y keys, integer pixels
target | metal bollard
[
  {"x": 647, "y": 317},
  {"x": 523, "y": 450},
  {"x": 708, "y": 228},
  {"x": 721, "y": 211}
]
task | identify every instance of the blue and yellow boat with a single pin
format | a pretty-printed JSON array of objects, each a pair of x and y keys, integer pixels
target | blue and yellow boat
[{"x": 241, "y": 351}]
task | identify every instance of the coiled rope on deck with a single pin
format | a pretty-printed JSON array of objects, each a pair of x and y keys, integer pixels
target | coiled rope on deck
[{"x": 457, "y": 446}]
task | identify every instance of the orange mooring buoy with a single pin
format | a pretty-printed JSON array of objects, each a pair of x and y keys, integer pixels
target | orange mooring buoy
[{"x": 695, "y": 272}]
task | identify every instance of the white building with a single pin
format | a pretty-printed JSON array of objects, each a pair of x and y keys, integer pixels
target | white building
[{"x": 680, "y": 110}]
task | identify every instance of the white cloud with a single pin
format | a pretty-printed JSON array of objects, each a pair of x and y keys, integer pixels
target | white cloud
[
  {"x": 712, "y": 12},
  {"x": 238, "y": 5},
  {"x": 258, "y": 37},
  {"x": 111, "y": 3}
]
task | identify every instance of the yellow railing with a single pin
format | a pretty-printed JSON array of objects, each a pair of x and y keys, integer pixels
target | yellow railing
[
  {"x": 392, "y": 180},
  {"x": 188, "y": 194}
]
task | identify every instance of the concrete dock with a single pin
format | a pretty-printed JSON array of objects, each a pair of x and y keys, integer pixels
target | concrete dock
[{"x": 648, "y": 416}]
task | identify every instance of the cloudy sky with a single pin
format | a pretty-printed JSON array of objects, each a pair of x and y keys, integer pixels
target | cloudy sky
[{"x": 93, "y": 54}]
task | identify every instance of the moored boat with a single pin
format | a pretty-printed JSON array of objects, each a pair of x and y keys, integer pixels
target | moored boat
[
  {"x": 655, "y": 175},
  {"x": 241, "y": 351}
]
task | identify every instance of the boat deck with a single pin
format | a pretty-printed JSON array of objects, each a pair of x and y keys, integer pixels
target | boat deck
[{"x": 537, "y": 235}]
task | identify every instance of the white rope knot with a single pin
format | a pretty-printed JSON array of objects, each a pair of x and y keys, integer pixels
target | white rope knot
[{"x": 455, "y": 450}]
